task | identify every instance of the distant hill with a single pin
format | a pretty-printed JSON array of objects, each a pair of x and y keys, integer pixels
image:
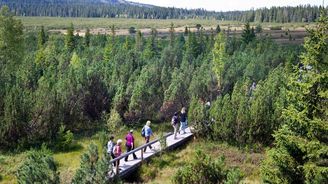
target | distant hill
[{"x": 127, "y": 9}]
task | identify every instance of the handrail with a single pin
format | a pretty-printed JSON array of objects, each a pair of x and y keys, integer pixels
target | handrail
[{"x": 139, "y": 148}]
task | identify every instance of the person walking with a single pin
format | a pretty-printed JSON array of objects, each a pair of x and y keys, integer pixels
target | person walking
[
  {"x": 183, "y": 121},
  {"x": 148, "y": 133},
  {"x": 118, "y": 150},
  {"x": 110, "y": 147},
  {"x": 174, "y": 123},
  {"x": 130, "y": 145}
]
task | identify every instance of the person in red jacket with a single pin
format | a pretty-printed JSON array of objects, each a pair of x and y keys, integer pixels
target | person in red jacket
[{"x": 130, "y": 145}]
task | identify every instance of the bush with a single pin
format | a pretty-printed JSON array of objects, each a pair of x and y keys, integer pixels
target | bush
[
  {"x": 94, "y": 169},
  {"x": 275, "y": 28},
  {"x": 39, "y": 167},
  {"x": 258, "y": 28},
  {"x": 203, "y": 169},
  {"x": 64, "y": 139},
  {"x": 132, "y": 30},
  {"x": 114, "y": 121}
]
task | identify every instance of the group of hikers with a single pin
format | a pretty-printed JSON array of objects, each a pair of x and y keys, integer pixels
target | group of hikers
[{"x": 115, "y": 150}]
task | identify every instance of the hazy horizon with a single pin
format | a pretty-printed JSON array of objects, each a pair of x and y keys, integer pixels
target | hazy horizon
[{"x": 220, "y": 5}]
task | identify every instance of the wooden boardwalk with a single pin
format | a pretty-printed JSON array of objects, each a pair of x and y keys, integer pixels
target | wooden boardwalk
[{"x": 126, "y": 168}]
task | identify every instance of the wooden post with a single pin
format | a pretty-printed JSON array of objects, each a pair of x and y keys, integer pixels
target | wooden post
[
  {"x": 117, "y": 167},
  {"x": 142, "y": 154}
]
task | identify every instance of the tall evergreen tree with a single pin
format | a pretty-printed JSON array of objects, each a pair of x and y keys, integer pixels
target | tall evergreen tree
[
  {"x": 248, "y": 34},
  {"x": 301, "y": 145},
  {"x": 41, "y": 38},
  {"x": 219, "y": 57},
  {"x": 87, "y": 38},
  {"x": 172, "y": 34},
  {"x": 69, "y": 39}
]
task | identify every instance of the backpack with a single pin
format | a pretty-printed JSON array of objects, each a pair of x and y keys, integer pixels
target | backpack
[
  {"x": 143, "y": 132},
  {"x": 174, "y": 120}
]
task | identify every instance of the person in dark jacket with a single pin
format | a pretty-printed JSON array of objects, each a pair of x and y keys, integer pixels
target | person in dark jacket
[{"x": 174, "y": 123}]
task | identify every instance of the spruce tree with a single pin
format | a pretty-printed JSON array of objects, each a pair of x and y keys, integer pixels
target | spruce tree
[
  {"x": 87, "y": 38},
  {"x": 69, "y": 39},
  {"x": 172, "y": 35},
  {"x": 41, "y": 38},
  {"x": 219, "y": 57},
  {"x": 218, "y": 29},
  {"x": 248, "y": 34},
  {"x": 301, "y": 145}
]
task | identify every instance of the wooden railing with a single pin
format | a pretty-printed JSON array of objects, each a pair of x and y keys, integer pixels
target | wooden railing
[{"x": 135, "y": 150}]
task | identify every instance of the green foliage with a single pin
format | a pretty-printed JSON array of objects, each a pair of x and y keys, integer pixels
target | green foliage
[
  {"x": 42, "y": 38},
  {"x": 114, "y": 121},
  {"x": 132, "y": 30},
  {"x": 39, "y": 167},
  {"x": 70, "y": 41},
  {"x": 248, "y": 34},
  {"x": 203, "y": 169},
  {"x": 64, "y": 139},
  {"x": 219, "y": 57},
  {"x": 300, "y": 152},
  {"x": 13, "y": 99},
  {"x": 93, "y": 169},
  {"x": 258, "y": 28},
  {"x": 87, "y": 38},
  {"x": 218, "y": 29}
]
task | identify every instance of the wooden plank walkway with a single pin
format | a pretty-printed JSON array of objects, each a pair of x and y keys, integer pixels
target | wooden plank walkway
[{"x": 126, "y": 168}]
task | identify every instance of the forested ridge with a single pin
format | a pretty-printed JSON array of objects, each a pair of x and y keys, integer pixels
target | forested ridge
[
  {"x": 125, "y": 9},
  {"x": 246, "y": 91}
]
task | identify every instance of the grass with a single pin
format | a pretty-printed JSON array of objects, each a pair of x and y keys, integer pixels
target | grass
[
  {"x": 161, "y": 169},
  {"x": 121, "y": 23},
  {"x": 68, "y": 162},
  {"x": 33, "y": 23}
]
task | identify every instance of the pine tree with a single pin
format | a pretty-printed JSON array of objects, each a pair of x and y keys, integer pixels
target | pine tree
[
  {"x": 172, "y": 34},
  {"x": 219, "y": 57},
  {"x": 92, "y": 168},
  {"x": 301, "y": 145},
  {"x": 87, "y": 38},
  {"x": 69, "y": 39},
  {"x": 39, "y": 167},
  {"x": 218, "y": 29},
  {"x": 41, "y": 38},
  {"x": 248, "y": 34},
  {"x": 139, "y": 41}
]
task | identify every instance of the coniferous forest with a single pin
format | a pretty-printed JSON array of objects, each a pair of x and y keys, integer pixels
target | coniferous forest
[
  {"x": 124, "y": 9},
  {"x": 248, "y": 92}
]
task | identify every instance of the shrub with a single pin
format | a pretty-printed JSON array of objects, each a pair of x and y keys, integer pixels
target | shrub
[
  {"x": 132, "y": 30},
  {"x": 93, "y": 169},
  {"x": 258, "y": 28},
  {"x": 64, "y": 139},
  {"x": 275, "y": 28},
  {"x": 203, "y": 169},
  {"x": 114, "y": 121},
  {"x": 39, "y": 167}
]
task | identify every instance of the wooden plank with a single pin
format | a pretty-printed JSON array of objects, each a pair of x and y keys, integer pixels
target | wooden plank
[{"x": 131, "y": 165}]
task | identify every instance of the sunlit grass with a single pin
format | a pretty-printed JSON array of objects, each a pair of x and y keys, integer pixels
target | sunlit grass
[{"x": 68, "y": 162}]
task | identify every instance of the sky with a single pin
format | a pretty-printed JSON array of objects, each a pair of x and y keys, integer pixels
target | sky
[{"x": 228, "y": 5}]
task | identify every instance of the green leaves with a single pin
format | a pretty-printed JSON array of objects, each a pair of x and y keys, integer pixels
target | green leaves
[{"x": 301, "y": 148}]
